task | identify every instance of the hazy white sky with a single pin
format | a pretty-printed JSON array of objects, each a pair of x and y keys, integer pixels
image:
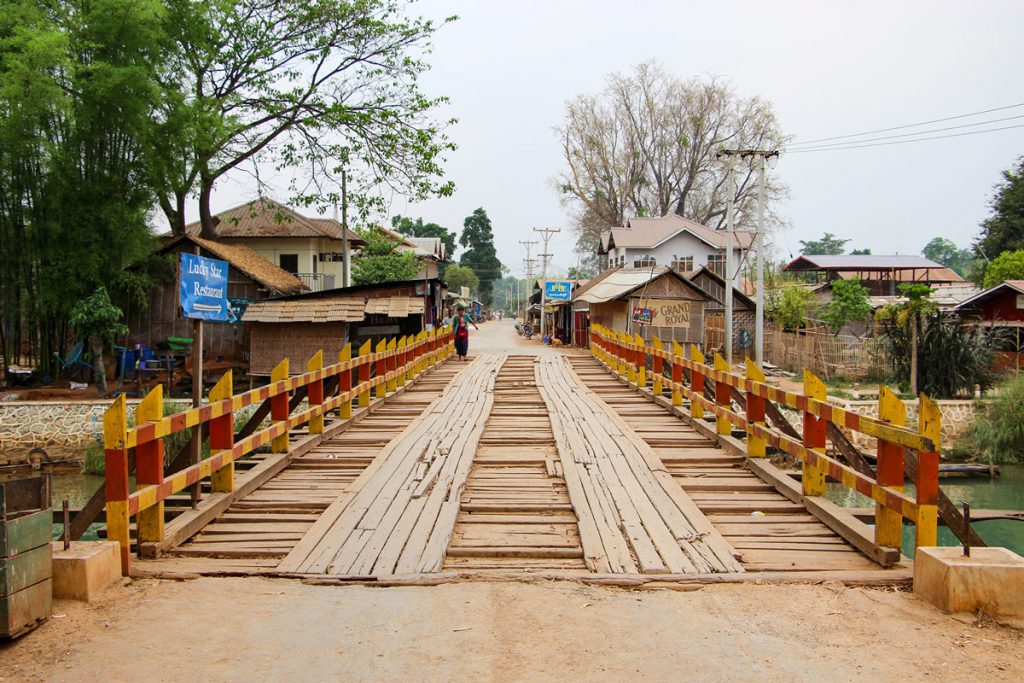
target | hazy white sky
[{"x": 830, "y": 68}]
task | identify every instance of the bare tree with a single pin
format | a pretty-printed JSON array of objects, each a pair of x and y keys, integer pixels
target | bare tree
[{"x": 646, "y": 146}]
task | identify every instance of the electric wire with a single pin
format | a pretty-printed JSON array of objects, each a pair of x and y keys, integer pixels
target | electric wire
[
  {"x": 906, "y": 135},
  {"x": 902, "y": 142}
]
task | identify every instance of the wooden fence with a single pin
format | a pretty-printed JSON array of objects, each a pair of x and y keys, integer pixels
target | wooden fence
[
  {"x": 825, "y": 354},
  {"x": 690, "y": 378},
  {"x": 335, "y": 387}
]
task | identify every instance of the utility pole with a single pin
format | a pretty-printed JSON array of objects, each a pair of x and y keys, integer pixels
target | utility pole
[
  {"x": 730, "y": 188},
  {"x": 545, "y": 234},
  {"x": 528, "y": 264},
  {"x": 345, "y": 263}
]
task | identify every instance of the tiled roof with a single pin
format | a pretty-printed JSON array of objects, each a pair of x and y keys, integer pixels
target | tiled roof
[
  {"x": 265, "y": 218},
  {"x": 334, "y": 228}
]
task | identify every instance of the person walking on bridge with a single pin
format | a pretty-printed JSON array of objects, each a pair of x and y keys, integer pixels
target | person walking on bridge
[{"x": 460, "y": 324}]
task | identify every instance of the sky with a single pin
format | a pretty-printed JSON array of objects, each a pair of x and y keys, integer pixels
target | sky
[{"x": 829, "y": 69}]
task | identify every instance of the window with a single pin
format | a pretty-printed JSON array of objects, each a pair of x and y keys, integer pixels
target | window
[
  {"x": 716, "y": 264},
  {"x": 644, "y": 262},
  {"x": 289, "y": 262},
  {"x": 683, "y": 264}
]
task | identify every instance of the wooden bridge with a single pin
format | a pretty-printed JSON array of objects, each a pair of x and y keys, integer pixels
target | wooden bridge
[{"x": 628, "y": 464}]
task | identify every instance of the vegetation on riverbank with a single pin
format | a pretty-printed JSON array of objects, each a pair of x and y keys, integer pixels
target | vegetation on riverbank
[{"x": 997, "y": 432}]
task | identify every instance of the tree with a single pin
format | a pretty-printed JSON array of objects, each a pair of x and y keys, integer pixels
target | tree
[
  {"x": 478, "y": 239},
  {"x": 946, "y": 253},
  {"x": 792, "y": 306},
  {"x": 1004, "y": 229},
  {"x": 315, "y": 85},
  {"x": 581, "y": 273},
  {"x": 849, "y": 304},
  {"x": 828, "y": 245},
  {"x": 380, "y": 260},
  {"x": 1007, "y": 266},
  {"x": 904, "y": 319},
  {"x": 646, "y": 145},
  {"x": 860, "y": 252},
  {"x": 409, "y": 228},
  {"x": 98, "y": 320},
  {"x": 461, "y": 276}
]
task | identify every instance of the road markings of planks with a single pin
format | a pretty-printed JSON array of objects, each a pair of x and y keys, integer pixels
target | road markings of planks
[
  {"x": 771, "y": 532},
  {"x": 515, "y": 515},
  {"x": 633, "y": 517},
  {"x": 256, "y": 532},
  {"x": 399, "y": 515}
]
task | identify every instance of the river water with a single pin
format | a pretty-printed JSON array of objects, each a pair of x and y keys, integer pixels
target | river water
[{"x": 1005, "y": 492}]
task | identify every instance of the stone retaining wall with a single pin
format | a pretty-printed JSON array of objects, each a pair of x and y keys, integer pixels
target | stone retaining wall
[{"x": 956, "y": 418}]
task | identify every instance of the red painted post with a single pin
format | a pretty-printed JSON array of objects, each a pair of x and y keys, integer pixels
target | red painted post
[
  {"x": 279, "y": 410},
  {"x": 115, "y": 458},
  {"x": 222, "y": 436},
  {"x": 889, "y": 472},
  {"x": 815, "y": 431},
  {"x": 149, "y": 466}
]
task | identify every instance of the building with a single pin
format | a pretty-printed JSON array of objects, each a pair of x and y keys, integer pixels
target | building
[
  {"x": 1000, "y": 307},
  {"x": 309, "y": 248},
  {"x": 296, "y": 327},
  {"x": 882, "y": 275},
  {"x": 671, "y": 241},
  {"x": 648, "y": 301},
  {"x": 744, "y": 312},
  {"x": 250, "y": 278},
  {"x": 429, "y": 251}
]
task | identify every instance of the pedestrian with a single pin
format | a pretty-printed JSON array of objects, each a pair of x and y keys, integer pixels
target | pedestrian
[{"x": 461, "y": 323}]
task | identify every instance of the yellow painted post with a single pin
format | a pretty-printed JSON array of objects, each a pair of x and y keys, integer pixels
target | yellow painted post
[
  {"x": 677, "y": 373},
  {"x": 658, "y": 367},
  {"x": 756, "y": 445},
  {"x": 115, "y": 457},
  {"x": 345, "y": 383},
  {"x": 889, "y": 471},
  {"x": 392, "y": 364},
  {"x": 696, "y": 382},
  {"x": 402, "y": 360},
  {"x": 431, "y": 346},
  {"x": 641, "y": 361},
  {"x": 624, "y": 363},
  {"x": 364, "y": 375},
  {"x": 815, "y": 430},
  {"x": 222, "y": 436},
  {"x": 723, "y": 397},
  {"x": 279, "y": 407},
  {"x": 149, "y": 466},
  {"x": 930, "y": 425},
  {"x": 316, "y": 391},
  {"x": 382, "y": 369}
]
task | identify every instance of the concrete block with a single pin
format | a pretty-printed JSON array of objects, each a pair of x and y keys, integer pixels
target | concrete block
[
  {"x": 991, "y": 580},
  {"x": 85, "y": 570}
]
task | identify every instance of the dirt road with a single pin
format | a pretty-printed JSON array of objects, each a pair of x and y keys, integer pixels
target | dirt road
[{"x": 263, "y": 629}]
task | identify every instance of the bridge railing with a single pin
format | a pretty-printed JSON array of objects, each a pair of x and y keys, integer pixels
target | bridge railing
[
  {"x": 713, "y": 388},
  {"x": 381, "y": 370}
]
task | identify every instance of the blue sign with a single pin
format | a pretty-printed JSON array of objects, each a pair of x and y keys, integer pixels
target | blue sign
[
  {"x": 204, "y": 288},
  {"x": 558, "y": 291}
]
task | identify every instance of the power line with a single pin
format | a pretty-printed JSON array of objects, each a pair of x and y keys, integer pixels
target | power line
[
  {"x": 921, "y": 132},
  {"x": 903, "y": 142},
  {"x": 910, "y": 125}
]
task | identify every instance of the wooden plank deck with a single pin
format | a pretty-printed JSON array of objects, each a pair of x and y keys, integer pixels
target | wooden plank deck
[{"x": 771, "y": 533}]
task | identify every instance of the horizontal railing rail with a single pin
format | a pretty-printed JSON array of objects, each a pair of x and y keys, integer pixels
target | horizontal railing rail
[
  {"x": 381, "y": 371},
  {"x": 688, "y": 378}
]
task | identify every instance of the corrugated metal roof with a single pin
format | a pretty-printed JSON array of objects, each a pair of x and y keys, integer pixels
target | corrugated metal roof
[
  {"x": 1015, "y": 285},
  {"x": 860, "y": 262},
  {"x": 618, "y": 282},
  {"x": 352, "y": 309}
]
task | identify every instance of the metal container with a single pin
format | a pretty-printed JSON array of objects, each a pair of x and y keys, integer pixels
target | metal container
[{"x": 26, "y": 556}]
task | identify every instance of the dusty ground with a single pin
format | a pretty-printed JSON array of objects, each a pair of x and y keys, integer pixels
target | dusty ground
[{"x": 264, "y": 629}]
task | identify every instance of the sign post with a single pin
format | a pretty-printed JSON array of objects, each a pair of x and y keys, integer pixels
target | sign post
[{"x": 203, "y": 295}]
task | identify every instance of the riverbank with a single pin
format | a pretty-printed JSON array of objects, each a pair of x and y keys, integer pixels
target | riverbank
[{"x": 285, "y": 630}]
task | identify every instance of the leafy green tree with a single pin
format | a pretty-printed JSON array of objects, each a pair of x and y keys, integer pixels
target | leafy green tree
[
  {"x": 480, "y": 255},
  {"x": 1007, "y": 266},
  {"x": 406, "y": 226},
  {"x": 1004, "y": 229},
  {"x": 849, "y": 304},
  {"x": 946, "y": 253},
  {"x": 458, "y": 277},
  {"x": 380, "y": 260},
  {"x": 319, "y": 85},
  {"x": 100, "y": 321},
  {"x": 829, "y": 245},
  {"x": 904, "y": 318},
  {"x": 860, "y": 252},
  {"x": 581, "y": 273},
  {"x": 792, "y": 306}
]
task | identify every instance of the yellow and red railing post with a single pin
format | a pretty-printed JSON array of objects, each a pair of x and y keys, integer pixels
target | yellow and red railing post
[
  {"x": 815, "y": 432},
  {"x": 115, "y": 458},
  {"x": 279, "y": 407},
  {"x": 315, "y": 389},
  {"x": 222, "y": 434},
  {"x": 402, "y": 370},
  {"x": 641, "y": 361},
  {"x": 930, "y": 426},
  {"x": 364, "y": 375},
  {"x": 345, "y": 381},
  {"x": 696, "y": 381},
  {"x": 888, "y": 522},
  {"x": 658, "y": 367},
  {"x": 392, "y": 364},
  {"x": 149, "y": 466},
  {"x": 756, "y": 445},
  {"x": 723, "y": 398}
]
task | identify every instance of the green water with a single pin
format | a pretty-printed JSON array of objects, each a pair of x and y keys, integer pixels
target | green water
[
  {"x": 78, "y": 489},
  {"x": 1005, "y": 492}
]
